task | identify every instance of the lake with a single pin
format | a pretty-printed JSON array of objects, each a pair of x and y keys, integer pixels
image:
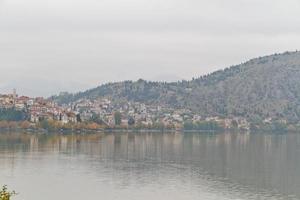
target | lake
[{"x": 169, "y": 166}]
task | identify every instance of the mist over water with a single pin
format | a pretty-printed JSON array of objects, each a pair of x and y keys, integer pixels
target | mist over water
[{"x": 151, "y": 166}]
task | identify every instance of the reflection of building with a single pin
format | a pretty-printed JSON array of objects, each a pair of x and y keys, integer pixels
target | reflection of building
[
  {"x": 14, "y": 94},
  {"x": 34, "y": 143}
]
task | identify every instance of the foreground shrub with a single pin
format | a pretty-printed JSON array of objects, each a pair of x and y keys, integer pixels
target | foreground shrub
[{"x": 5, "y": 194}]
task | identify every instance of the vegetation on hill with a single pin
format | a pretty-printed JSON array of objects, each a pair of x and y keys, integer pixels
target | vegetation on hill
[{"x": 265, "y": 87}]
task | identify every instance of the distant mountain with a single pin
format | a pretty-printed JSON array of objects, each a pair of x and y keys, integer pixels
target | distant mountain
[{"x": 260, "y": 88}]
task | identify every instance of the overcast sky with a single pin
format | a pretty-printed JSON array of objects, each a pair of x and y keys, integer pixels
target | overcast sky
[{"x": 47, "y": 46}]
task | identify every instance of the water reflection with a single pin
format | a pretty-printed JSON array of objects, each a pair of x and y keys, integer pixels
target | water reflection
[{"x": 148, "y": 165}]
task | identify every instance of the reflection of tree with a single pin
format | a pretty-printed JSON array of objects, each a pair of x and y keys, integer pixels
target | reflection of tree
[{"x": 259, "y": 160}]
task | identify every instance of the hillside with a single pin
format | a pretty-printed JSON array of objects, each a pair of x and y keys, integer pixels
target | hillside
[{"x": 262, "y": 87}]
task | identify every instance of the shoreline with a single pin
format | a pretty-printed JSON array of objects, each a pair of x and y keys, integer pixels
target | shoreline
[{"x": 115, "y": 130}]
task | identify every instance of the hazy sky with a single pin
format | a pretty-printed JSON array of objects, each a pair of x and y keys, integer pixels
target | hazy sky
[{"x": 47, "y": 46}]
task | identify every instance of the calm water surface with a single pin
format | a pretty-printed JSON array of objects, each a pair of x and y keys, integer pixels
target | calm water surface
[{"x": 151, "y": 166}]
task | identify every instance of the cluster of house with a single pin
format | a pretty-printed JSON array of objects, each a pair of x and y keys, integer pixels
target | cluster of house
[
  {"x": 131, "y": 112},
  {"x": 146, "y": 115},
  {"x": 38, "y": 108}
]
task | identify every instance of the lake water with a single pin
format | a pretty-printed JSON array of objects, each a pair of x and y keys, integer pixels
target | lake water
[{"x": 171, "y": 166}]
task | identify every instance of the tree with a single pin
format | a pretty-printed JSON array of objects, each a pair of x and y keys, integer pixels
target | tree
[
  {"x": 5, "y": 194},
  {"x": 12, "y": 124},
  {"x": 234, "y": 124},
  {"x": 118, "y": 118},
  {"x": 92, "y": 126},
  {"x": 44, "y": 124},
  {"x": 25, "y": 125},
  {"x": 11, "y": 114},
  {"x": 4, "y": 124},
  {"x": 188, "y": 125},
  {"x": 279, "y": 127},
  {"x": 78, "y": 118},
  {"x": 96, "y": 118},
  {"x": 131, "y": 121}
]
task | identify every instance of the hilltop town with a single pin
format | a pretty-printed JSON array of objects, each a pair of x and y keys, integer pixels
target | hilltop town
[{"x": 103, "y": 113}]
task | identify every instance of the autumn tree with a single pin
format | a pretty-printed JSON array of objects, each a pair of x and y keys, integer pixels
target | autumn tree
[
  {"x": 24, "y": 125},
  {"x": 5, "y": 194}
]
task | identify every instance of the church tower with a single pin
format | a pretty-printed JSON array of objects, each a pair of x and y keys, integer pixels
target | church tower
[{"x": 14, "y": 94}]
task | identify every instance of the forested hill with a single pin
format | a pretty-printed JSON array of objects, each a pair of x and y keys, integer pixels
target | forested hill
[{"x": 262, "y": 87}]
